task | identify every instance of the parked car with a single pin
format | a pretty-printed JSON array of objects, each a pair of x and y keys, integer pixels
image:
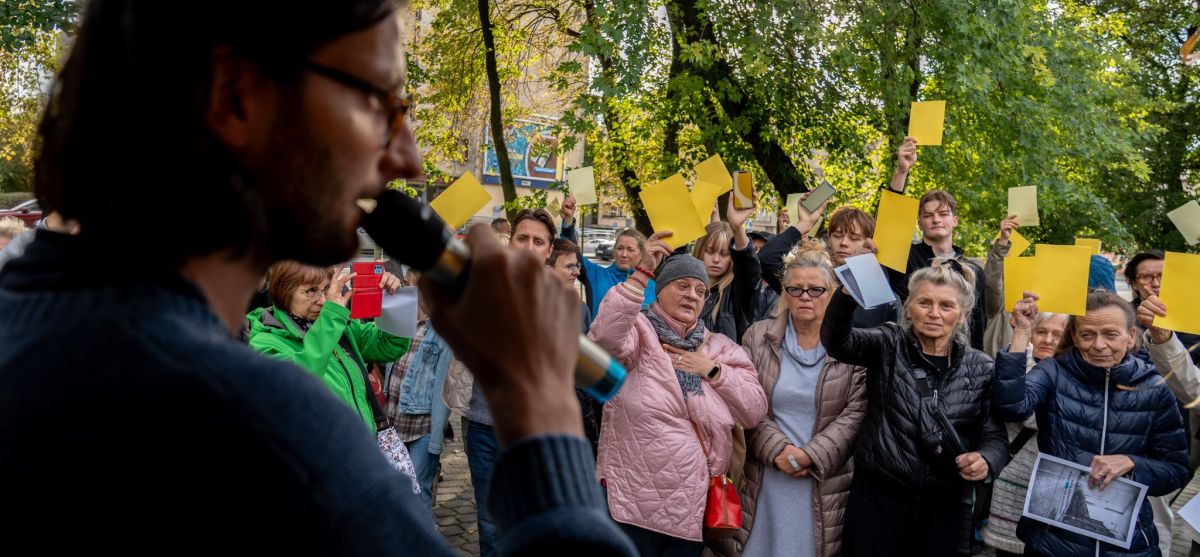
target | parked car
[
  {"x": 29, "y": 212},
  {"x": 604, "y": 250}
]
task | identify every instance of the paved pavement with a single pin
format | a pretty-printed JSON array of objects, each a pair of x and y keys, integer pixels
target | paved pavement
[{"x": 454, "y": 510}]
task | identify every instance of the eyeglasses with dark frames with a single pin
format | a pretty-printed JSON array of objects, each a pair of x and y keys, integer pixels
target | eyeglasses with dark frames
[
  {"x": 396, "y": 105},
  {"x": 813, "y": 292}
]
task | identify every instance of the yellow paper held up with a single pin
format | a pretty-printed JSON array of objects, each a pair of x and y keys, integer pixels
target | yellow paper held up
[
  {"x": 1060, "y": 278},
  {"x": 1019, "y": 244},
  {"x": 894, "y": 229},
  {"x": 669, "y": 207},
  {"x": 792, "y": 205},
  {"x": 1018, "y": 277},
  {"x": 1180, "y": 279},
  {"x": 1091, "y": 242},
  {"x": 1187, "y": 220},
  {"x": 461, "y": 201},
  {"x": 713, "y": 171},
  {"x": 582, "y": 184},
  {"x": 926, "y": 120},
  {"x": 1022, "y": 202},
  {"x": 704, "y": 196}
]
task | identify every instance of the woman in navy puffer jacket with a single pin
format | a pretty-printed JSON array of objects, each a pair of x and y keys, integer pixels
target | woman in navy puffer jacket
[{"x": 1098, "y": 406}]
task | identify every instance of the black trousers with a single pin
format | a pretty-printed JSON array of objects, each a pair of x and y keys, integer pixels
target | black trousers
[{"x": 884, "y": 519}]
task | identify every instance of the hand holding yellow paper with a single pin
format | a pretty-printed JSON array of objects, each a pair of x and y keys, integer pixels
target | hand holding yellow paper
[
  {"x": 1187, "y": 220},
  {"x": 669, "y": 206},
  {"x": 894, "y": 229},
  {"x": 1180, "y": 281},
  {"x": 1060, "y": 277},
  {"x": 582, "y": 184},
  {"x": 1091, "y": 242},
  {"x": 1018, "y": 277},
  {"x": 1018, "y": 244},
  {"x": 926, "y": 120},
  {"x": 1022, "y": 202},
  {"x": 791, "y": 206},
  {"x": 461, "y": 201},
  {"x": 704, "y": 195},
  {"x": 713, "y": 171}
]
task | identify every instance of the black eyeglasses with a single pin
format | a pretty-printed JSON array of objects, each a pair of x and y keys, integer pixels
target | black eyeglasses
[
  {"x": 396, "y": 105},
  {"x": 814, "y": 292}
]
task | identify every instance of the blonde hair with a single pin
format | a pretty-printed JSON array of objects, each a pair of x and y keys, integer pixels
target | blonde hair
[
  {"x": 946, "y": 271},
  {"x": 11, "y": 227},
  {"x": 719, "y": 234},
  {"x": 809, "y": 254}
]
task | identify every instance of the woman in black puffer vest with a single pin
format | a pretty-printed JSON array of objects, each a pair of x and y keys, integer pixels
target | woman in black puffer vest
[
  {"x": 928, "y": 435},
  {"x": 1099, "y": 406}
]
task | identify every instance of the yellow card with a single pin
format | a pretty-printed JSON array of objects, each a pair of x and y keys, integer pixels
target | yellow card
[
  {"x": 894, "y": 229},
  {"x": 582, "y": 184},
  {"x": 1187, "y": 220},
  {"x": 1093, "y": 242},
  {"x": 1018, "y": 277},
  {"x": 1022, "y": 202},
  {"x": 791, "y": 206},
  {"x": 704, "y": 195},
  {"x": 461, "y": 201},
  {"x": 1019, "y": 244},
  {"x": 669, "y": 206},
  {"x": 714, "y": 172},
  {"x": 926, "y": 120},
  {"x": 1060, "y": 278},
  {"x": 1181, "y": 278}
]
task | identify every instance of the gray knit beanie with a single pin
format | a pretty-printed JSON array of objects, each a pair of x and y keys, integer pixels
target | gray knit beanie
[{"x": 677, "y": 267}]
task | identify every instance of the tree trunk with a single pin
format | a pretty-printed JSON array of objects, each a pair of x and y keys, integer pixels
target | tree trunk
[
  {"x": 612, "y": 122},
  {"x": 496, "y": 122}
]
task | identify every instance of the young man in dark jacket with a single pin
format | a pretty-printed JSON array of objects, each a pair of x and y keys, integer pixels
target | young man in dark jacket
[
  {"x": 193, "y": 148},
  {"x": 937, "y": 220}
]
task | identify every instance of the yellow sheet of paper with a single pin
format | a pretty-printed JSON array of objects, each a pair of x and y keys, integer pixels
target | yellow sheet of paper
[
  {"x": 926, "y": 120},
  {"x": 1019, "y": 244},
  {"x": 582, "y": 184},
  {"x": 1060, "y": 278},
  {"x": 669, "y": 206},
  {"x": 791, "y": 206},
  {"x": 1022, "y": 202},
  {"x": 1018, "y": 277},
  {"x": 1093, "y": 242},
  {"x": 704, "y": 195},
  {"x": 461, "y": 201},
  {"x": 1187, "y": 220},
  {"x": 894, "y": 229},
  {"x": 714, "y": 172},
  {"x": 1180, "y": 281},
  {"x": 1186, "y": 51}
]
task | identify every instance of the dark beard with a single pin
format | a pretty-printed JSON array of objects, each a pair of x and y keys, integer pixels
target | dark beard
[{"x": 300, "y": 197}]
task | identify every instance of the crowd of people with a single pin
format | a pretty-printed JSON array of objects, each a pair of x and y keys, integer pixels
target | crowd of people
[{"x": 754, "y": 378}]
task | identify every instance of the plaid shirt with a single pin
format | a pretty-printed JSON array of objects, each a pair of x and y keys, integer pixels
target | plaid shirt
[{"x": 410, "y": 427}]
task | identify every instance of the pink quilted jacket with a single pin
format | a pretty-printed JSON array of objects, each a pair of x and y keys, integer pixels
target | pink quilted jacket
[{"x": 649, "y": 458}]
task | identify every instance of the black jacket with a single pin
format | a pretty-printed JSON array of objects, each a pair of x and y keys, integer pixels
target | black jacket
[
  {"x": 919, "y": 257},
  {"x": 771, "y": 256},
  {"x": 739, "y": 301},
  {"x": 900, "y": 437}
]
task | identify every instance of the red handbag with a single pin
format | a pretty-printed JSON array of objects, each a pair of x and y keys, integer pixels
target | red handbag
[{"x": 723, "y": 508}]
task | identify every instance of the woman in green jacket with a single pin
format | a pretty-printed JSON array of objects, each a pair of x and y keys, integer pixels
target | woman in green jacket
[{"x": 309, "y": 325}]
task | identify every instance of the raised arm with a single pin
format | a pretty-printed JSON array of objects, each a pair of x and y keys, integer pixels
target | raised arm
[
  {"x": 1170, "y": 357},
  {"x": 1016, "y": 395},
  {"x": 906, "y": 157},
  {"x": 862, "y": 347}
]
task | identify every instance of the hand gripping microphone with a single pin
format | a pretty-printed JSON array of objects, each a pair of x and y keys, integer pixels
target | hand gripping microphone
[{"x": 411, "y": 232}]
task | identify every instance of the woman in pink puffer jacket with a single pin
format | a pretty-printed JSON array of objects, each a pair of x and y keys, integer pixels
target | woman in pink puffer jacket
[{"x": 680, "y": 376}]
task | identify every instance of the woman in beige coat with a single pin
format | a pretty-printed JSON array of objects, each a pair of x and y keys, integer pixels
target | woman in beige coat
[{"x": 797, "y": 467}]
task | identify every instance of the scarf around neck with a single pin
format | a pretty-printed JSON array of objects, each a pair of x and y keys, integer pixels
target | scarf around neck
[{"x": 667, "y": 328}]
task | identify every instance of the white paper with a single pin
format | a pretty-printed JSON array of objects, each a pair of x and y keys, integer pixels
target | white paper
[
  {"x": 582, "y": 183},
  {"x": 1059, "y": 495},
  {"x": 865, "y": 280},
  {"x": 1191, "y": 513},
  {"x": 398, "y": 315}
]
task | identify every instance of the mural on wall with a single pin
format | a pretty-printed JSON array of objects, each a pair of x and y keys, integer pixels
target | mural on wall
[{"x": 532, "y": 154}]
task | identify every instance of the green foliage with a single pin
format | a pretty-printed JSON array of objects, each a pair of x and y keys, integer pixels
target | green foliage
[
  {"x": 22, "y": 21},
  {"x": 25, "y": 74},
  {"x": 12, "y": 199}
]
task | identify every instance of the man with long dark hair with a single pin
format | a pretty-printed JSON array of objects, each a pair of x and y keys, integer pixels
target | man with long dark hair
[{"x": 193, "y": 144}]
